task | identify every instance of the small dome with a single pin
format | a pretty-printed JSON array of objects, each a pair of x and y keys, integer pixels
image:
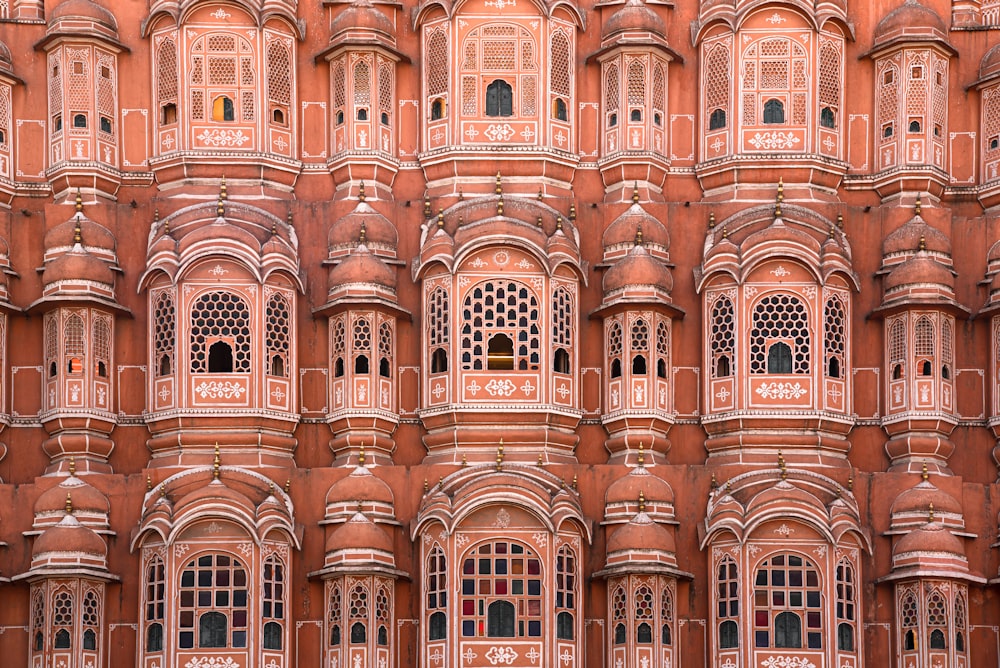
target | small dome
[
  {"x": 627, "y": 488},
  {"x": 85, "y": 498},
  {"x": 932, "y": 537},
  {"x": 908, "y": 237},
  {"x": 635, "y": 15},
  {"x": 911, "y": 19},
  {"x": 362, "y": 16},
  {"x": 85, "y": 9},
  {"x": 360, "y": 485},
  {"x": 920, "y": 498},
  {"x": 641, "y": 533},
  {"x": 362, "y": 267},
  {"x": 69, "y": 536},
  {"x": 6, "y": 60},
  {"x": 921, "y": 269},
  {"x": 624, "y": 228},
  {"x": 359, "y": 533},
  {"x": 638, "y": 268},
  {"x": 379, "y": 232},
  {"x": 77, "y": 266},
  {"x": 990, "y": 65},
  {"x": 92, "y": 235}
]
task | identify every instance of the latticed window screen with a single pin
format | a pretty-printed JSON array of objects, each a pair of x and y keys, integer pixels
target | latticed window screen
[
  {"x": 788, "y": 604},
  {"x": 780, "y": 319},
  {"x": 887, "y": 84},
  {"x": 829, "y": 80},
  {"x": 834, "y": 335},
  {"x": 90, "y": 619},
  {"x": 615, "y": 340},
  {"x": 565, "y": 593},
  {"x": 164, "y": 332},
  {"x": 501, "y": 591},
  {"x": 991, "y": 125},
  {"x": 437, "y": 317},
  {"x": 923, "y": 337},
  {"x": 940, "y": 96},
  {"x": 222, "y": 64},
  {"x": 846, "y": 607},
  {"x": 611, "y": 87},
  {"x": 62, "y": 619},
  {"x": 273, "y": 606},
  {"x": 75, "y": 337},
  {"x": 909, "y": 619},
  {"x": 362, "y": 83},
  {"x": 774, "y": 68},
  {"x": 339, "y": 85},
  {"x": 666, "y": 616},
  {"x": 662, "y": 340},
  {"x": 278, "y": 334},
  {"x": 5, "y": 118},
  {"x": 213, "y": 603},
  {"x": 383, "y": 604},
  {"x": 55, "y": 89},
  {"x": 717, "y": 78},
  {"x": 723, "y": 337},
  {"x": 562, "y": 318},
  {"x": 362, "y": 335},
  {"x": 154, "y": 600},
  {"x": 640, "y": 336},
  {"x": 102, "y": 345},
  {"x": 334, "y": 614},
  {"x": 947, "y": 342},
  {"x": 636, "y": 89},
  {"x": 107, "y": 84},
  {"x": 437, "y": 63},
  {"x": 357, "y": 613},
  {"x": 560, "y": 73},
  {"x": 385, "y": 90},
  {"x": 37, "y": 620},
  {"x": 659, "y": 100},
  {"x": 166, "y": 72},
  {"x": 220, "y": 317},
  {"x": 643, "y": 614},
  {"x": 507, "y": 308}
]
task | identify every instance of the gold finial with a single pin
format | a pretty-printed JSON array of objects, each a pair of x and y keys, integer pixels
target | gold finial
[
  {"x": 499, "y": 189},
  {"x": 500, "y": 454},
  {"x": 149, "y": 483},
  {"x": 361, "y": 454},
  {"x": 360, "y": 506},
  {"x": 288, "y": 221},
  {"x": 79, "y": 201},
  {"x": 440, "y": 218},
  {"x": 572, "y": 212},
  {"x": 274, "y": 228},
  {"x": 850, "y": 484},
  {"x": 288, "y": 485},
  {"x": 638, "y": 235},
  {"x": 220, "y": 207},
  {"x": 840, "y": 220},
  {"x": 558, "y": 222},
  {"x": 635, "y": 192},
  {"x": 715, "y": 483},
  {"x": 711, "y": 220},
  {"x": 69, "y": 503},
  {"x": 425, "y": 486},
  {"x": 440, "y": 482},
  {"x": 465, "y": 462},
  {"x": 729, "y": 486},
  {"x": 77, "y": 233},
  {"x": 270, "y": 488},
  {"x": 923, "y": 472},
  {"x": 216, "y": 462},
  {"x": 538, "y": 221},
  {"x": 363, "y": 233},
  {"x": 361, "y": 191},
  {"x": 574, "y": 482},
  {"x": 541, "y": 195},
  {"x": 781, "y": 465},
  {"x": 427, "y": 206},
  {"x": 541, "y": 460},
  {"x": 461, "y": 195},
  {"x": 725, "y": 232},
  {"x": 830, "y": 233},
  {"x": 923, "y": 243},
  {"x": 642, "y": 501},
  {"x": 930, "y": 512},
  {"x": 163, "y": 490},
  {"x": 72, "y": 466},
  {"x": 917, "y": 206},
  {"x": 780, "y": 198},
  {"x": 500, "y": 205},
  {"x": 642, "y": 455}
]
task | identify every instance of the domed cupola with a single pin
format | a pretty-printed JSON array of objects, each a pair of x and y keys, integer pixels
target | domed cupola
[
  {"x": 634, "y": 17},
  {"x": 91, "y": 507},
  {"x": 82, "y": 18},
  {"x": 620, "y": 236},
  {"x": 931, "y": 550},
  {"x": 910, "y": 509},
  {"x": 908, "y": 23},
  {"x": 361, "y": 490},
  {"x": 362, "y": 23},
  {"x": 621, "y": 502},
  {"x": 641, "y": 545},
  {"x": 380, "y": 235}
]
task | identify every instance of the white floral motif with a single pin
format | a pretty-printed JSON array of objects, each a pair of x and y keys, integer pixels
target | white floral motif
[
  {"x": 532, "y": 655},
  {"x": 469, "y": 655},
  {"x": 220, "y": 14},
  {"x": 780, "y": 390},
  {"x": 211, "y": 662},
  {"x": 503, "y": 519},
  {"x": 541, "y": 538},
  {"x": 501, "y": 258},
  {"x": 499, "y": 132},
  {"x": 784, "y": 530},
  {"x": 218, "y": 137},
  {"x": 501, "y": 656},
  {"x": 780, "y": 271},
  {"x": 503, "y": 388},
  {"x": 769, "y": 141},
  {"x": 219, "y": 390},
  {"x": 787, "y": 662}
]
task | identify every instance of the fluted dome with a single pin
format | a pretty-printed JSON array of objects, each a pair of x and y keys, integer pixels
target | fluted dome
[
  {"x": 77, "y": 266},
  {"x": 910, "y": 20},
  {"x": 360, "y": 485},
  {"x": 216, "y": 492},
  {"x": 908, "y": 238},
  {"x": 641, "y": 534},
  {"x": 635, "y": 15},
  {"x": 624, "y": 228},
  {"x": 932, "y": 537},
  {"x": 990, "y": 64},
  {"x": 69, "y": 536},
  {"x": 921, "y": 269},
  {"x": 84, "y": 497},
  {"x": 922, "y": 497},
  {"x": 92, "y": 235},
  {"x": 364, "y": 17},
  {"x": 84, "y": 9},
  {"x": 638, "y": 268},
  {"x": 359, "y": 533},
  {"x": 379, "y": 232},
  {"x": 362, "y": 267},
  {"x": 6, "y": 61},
  {"x": 627, "y": 488}
]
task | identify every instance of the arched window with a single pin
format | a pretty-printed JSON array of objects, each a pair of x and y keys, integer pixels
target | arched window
[
  {"x": 565, "y": 592},
  {"x": 774, "y": 112},
  {"x": 644, "y": 633},
  {"x": 164, "y": 333},
  {"x": 62, "y": 639},
  {"x": 438, "y": 626},
  {"x": 666, "y": 617},
  {"x": 619, "y": 613},
  {"x": 75, "y": 343},
  {"x": 722, "y": 338},
  {"x": 937, "y": 620},
  {"x": 827, "y": 118},
  {"x": 780, "y": 320},
  {"x": 437, "y": 595},
  {"x": 359, "y": 634},
  {"x": 438, "y": 333},
  {"x": 272, "y": 635},
  {"x": 220, "y": 317},
  {"x": 834, "y": 336},
  {"x": 62, "y": 619},
  {"x": 334, "y": 613},
  {"x": 273, "y": 597},
  {"x": 357, "y": 613},
  {"x": 279, "y": 80},
  {"x": 846, "y": 615},
  {"x": 102, "y": 345},
  {"x": 439, "y": 361},
  {"x": 845, "y": 637},
  {"x": 499, "y": 99},
  {"x": 154, "y": 599},
  {"x": 80, "y": 121},
  {"x": 914, "y": 127},
  {"x": 338, "y": 345},
  {"x": 154, "y": 637},
  {"x": 383, "y": 603},
  {"x": 437, "y": 109},
  {"x": 501, "y": 591},
  {"x": 960, "y": 615},
  {"x": 830, "y": 77},
  {"x": 278, "y": 334},
  {"x": 223, "y": 79},
  {"x": 909, "y": 619},
  {"x": 436, "y": 71},
  {"x": 728, "y": 603},
  {"x": 640, "y": 346},
  {"x": 729, "y": 635},
  {"x": 214, "y": 590},
  {"x": 923, "y": 345},
  {"x": 362, "y": 345},
  {"x": 220, "y": 358},
  {"x": 562, "y": 329},
  {"x": 787, "y": 592},
  {"x": 559, "y": 109},
  {"x": 385, "y": 350},
  {"x": 90, "y": 619},
  {"x": 507, "y": 308},
  {"x": 38, "y": 619},
  {"x": 166, "y": 81},
  {"x": 717, "y": 119},
  {"x": 611, "y": 93},
  {"x": 615, "y": 346},
  {"x": 223, "y": 109}
]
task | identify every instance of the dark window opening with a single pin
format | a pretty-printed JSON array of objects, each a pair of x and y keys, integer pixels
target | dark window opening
[
  {"x": 338, "y": 368},
  {"x": 335, "y": 635},
  {"x": 787, "y": 630},
  {"x": 635, "y": 116},
  {"x": 168, "y": 114},
  {"x": 661, "y": 368},
  {"x": 658, "y": 119},
  {"x": 361, "y": 364},
  {"x": 925, "y": 368},
  {"x": 774, "y": 112},
  {"x": 438, "y": 627},
  {"x": 717, "y": 120},
  {"x": 729, "y": 635},
  {"x": 79, "y": 121},
  {"x": 722, "y": 369},
  {"x": 620, "y": 634},
  {"x": 154, "y": 637},
  {"x": 52, "y": 370},
  {"x": 278, "y": 116},
  {"x": 223, "y": 109},
  {"x": 887, "y": 131},
  {"x": 437, "y": 109},
  {"x": 62, "y": 639},
  {"x": 564, "y": 626},
  {"x": 384, "y": 118},
  {"x": 639, "y": 364},
  {"x": 500, "y": 353},
  {"x": 362, "y": 114},
  {"x": 500, "y": 620},
  {"x": 845, "y": 638},
  {"x": 833, "y": 368},
  {"x": 102, "y": 369},
  {"x": 560, "y": 361},
  {"x": 57, "y": 123},
  {"x": 39, "y": 641},
  {"x": 644, "y": 633},
  {"x": 612, "y": 120},
  {"x": 272, "y": 635},
  {"x": 937, "y": 130},
  {"x": 212, "y": 630},
  {"x": 382, "y": 637},
  {"x": 559, "y": 109},
  {"x": 74, "y": 365},
  {"x": 959, "y": 642},
  {"x": 945, "y": 372},
  {"x": 910, "y": 640},
  {"x": 277, "y": 365},
  {"x": 897, "y": 372},
  {"x": 914, "y": 126},
  {"x": 220, "y": 358},
  {"x": 779, "y": 358},
  {"x": 665, "y": 635},
  {"x": 995, "y": 143},
  {"x": 499, "y": 99},
  {"x": 359, "y": 633},
  {"x": 383, "y": 367},
  {"x": 105, "y": 124},
  {"x": 439, "y": 361},
  {"x": 827, "y": 118},
  {"x": 340, "y": 118},
  {"x": 937, "y": 639},
  {"x": 89, "y": 639},
  {"x": 616, "y": 368}
]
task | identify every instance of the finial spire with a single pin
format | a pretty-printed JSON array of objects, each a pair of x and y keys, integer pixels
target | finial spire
[
  {"x": 363, "y": 233},
  {"x": 558, "y": 222},
  {"x": 923, "y": 243},
  {"x": 541, "y": 195},
  {"x": 72, "y": 466},
  {"x": 361, "y": 454},
  {"x": 840, "y": 221},
  {"x": 917, "y": 206},
  {"x": 574, "y": 482},
  {"x": 923, "y": 472},
  {"x": 69, "y": 503},
  {"x": 500, "y": 454},
  {"x": 930, "y": 512},
  {"x": 79, "y": 201},
  {"x": 715, "y": 483},
  {"x": 220, "y": 207},
  {"x": 711, "y": 220},
  {"x": 635, "y": 192},
  {"x": 572, "y": 212},
  {"x": 781, "y": 465},
  {"x": 780, "y": 198},
  {"x": 288, "y": 485},
  {"x": 149, "y": 483},
  {"x": 427, "y": 206},
  {"x": 440, "y": 218},
  {"x": 500, "y": 205},
  {"x": 642, "y": 501},
  {"x": 642, "y": 456},
  {"x": 638, "y": 235},
  {"x": 499, "y": 188},
  {"x": 361, "y": 192},
  {"x": 216, "y": 463}
]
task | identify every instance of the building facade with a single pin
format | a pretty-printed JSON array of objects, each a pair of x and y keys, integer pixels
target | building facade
[{"x": 528, "y": 333}]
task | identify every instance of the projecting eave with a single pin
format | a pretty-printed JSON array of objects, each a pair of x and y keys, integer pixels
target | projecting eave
[
  {"x": 54, "y": 301},
  {"x": 641, "y": 569},
  {"x": 355, "y": 43},
  {"x": 338, "y": 305},
  {"x": 893, "y": 307},
  {"x": 918, "y": 573},
  {"x": 618, "y": 305},
  {"x": 360, "y": 569},
  {"x": 647, "y": 42},
  {"x": 40, "y": 573}
]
